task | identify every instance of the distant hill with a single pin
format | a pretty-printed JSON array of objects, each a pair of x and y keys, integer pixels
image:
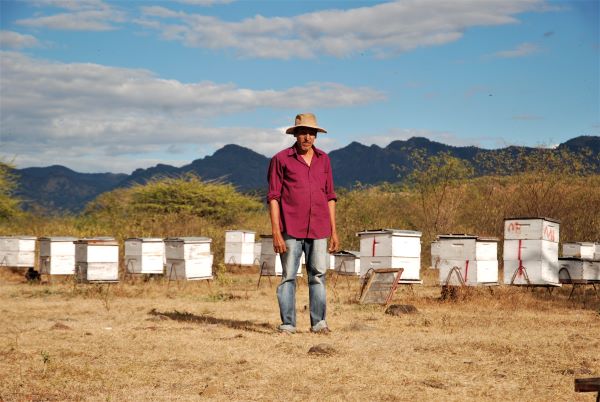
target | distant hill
[{"x": 57, "y": 188}]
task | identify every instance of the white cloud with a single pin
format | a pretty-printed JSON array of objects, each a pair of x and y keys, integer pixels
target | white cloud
[
  {"x": 383, "y": 29},
  {"x": 15, "y": 40},
  {"x": 80, "y": 15},
  {"x": 524, "y": 49},
  {"x": 56, "y": 112}
]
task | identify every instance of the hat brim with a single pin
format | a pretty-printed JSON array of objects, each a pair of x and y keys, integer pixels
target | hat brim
[{"x": 291, "y": 130}]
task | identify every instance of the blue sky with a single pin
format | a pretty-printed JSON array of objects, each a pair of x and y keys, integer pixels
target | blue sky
[{"x": 116, "y": 85}]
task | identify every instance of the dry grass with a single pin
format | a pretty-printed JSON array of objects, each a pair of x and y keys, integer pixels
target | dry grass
[{"x": 158, "y": 341}]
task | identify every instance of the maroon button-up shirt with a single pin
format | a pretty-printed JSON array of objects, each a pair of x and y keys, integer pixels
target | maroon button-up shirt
[{"x": 303, "y": 193}]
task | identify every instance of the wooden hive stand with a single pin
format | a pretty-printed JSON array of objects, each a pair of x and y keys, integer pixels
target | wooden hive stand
[
  {"x": 588, "y": 385},
  {"x": 564, "y": 278},
  {"x": 523, "y": 271},
  {"x": 379, "y": 286}
]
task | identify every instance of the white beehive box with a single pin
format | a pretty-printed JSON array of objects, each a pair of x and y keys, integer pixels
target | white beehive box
[
  {"x": 467, "y": 247},
  {"x": 411, "y": 265},
  {"x": 239, "y": 247},
  {"x": 584, "y": 250},
  {"x": 473, "y": 272},
  {"x": 97, "y": 260},
  {"x": 435, "y": 255},
  {"x": 145, "y": 255},
  {"x": 540, "y": 272},
  {"x": 530, "y": 250},
  {"x": 331, "y": 259},
  {"x": 257, "y": 252},
  {"x": 270, "y": 262},
  {"x": 239, "y": 253},
  {"x": 578, "y": 269},
  {"x": 189, "y": 258},
  {"x": 195, "y": 269},
  {"x": 390, "y": 243},
  {"x": 347, "y": 262},
  {"x": 240, "y": 236},
  {"x": 17, "y": 251},
  {"x": 186, "y": 248},
  {"x": 57, "y": 255},
  {"x": 391, "y": 248},
  {"x": 532, "y": 228}
]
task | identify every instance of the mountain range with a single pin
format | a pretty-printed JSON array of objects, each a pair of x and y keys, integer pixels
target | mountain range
[{"x": 60, "y": 189}]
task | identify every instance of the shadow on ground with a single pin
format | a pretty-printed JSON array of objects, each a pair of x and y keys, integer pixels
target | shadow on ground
[{"x": 261, "y": 327}]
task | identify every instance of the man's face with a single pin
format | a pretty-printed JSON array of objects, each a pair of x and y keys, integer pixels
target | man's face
[{"x": 305, "y": 138}]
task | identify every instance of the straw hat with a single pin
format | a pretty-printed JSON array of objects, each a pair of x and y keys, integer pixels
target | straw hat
[{"x": 305, "y": 120}]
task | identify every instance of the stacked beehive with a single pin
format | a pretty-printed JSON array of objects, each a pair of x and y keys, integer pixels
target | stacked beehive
[
  {"x": 435, "y": 255},
  {"x": 580, "y": 262},
  {"x": 531, "y": 251},
  {"x": 97, "y": 260},
  {"x": 57, "y": 255},
  {"x": 257, "y": 251},
  {"x": 391, "y": 248},
  {"x": 347, "y": 262},
  {"x": 270, "y": 261},
  {"x": 144, "y": 255},
  {"x": 188, "y": 258},
  {"x": 17, "y": 251},
  {"x": 239, "y": 247},
  {"x": 467, "y": 259}
]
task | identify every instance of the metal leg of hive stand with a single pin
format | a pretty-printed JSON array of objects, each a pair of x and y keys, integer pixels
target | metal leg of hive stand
[
  {"x": 518, "y": 271},
  {"x": 261, "y": 274}
]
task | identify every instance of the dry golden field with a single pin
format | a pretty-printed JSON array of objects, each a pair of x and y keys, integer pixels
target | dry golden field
[{"x": 159, "y": 341}]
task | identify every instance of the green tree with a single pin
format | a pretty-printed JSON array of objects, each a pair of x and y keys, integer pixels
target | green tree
[
  {"x": 543, "y": 175},
  {"x": 432, "y": 180},
  {"x": 9, "y": 204},
  {"x": 187, "y": 195}
]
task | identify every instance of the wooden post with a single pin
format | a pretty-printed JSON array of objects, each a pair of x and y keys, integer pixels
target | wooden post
[{"x": 588, "y": 385}]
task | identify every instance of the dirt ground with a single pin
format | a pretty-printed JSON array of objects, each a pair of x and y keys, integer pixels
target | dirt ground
[{"x": 153, "y": 340}]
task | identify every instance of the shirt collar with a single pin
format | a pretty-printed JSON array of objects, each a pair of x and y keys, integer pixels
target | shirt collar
[{"x": 292, "y": 151}]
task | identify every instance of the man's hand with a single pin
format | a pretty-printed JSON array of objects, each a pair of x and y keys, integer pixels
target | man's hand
[
  {"x": 279, "y": 243},
  {"x": 334, "y": 243}
]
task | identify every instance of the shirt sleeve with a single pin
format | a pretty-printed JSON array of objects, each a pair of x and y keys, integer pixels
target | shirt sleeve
[
  {"x": 275, "y": 178},
  {"x": 329, "y": 190}
]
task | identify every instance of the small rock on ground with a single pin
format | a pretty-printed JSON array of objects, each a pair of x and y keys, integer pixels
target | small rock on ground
[
  {"x": 60, "y": 326},
  {"x": 322, "y": 349},
  {"x": 400, "y": 309}
]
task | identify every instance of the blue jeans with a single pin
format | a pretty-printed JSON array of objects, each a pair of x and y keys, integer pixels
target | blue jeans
[{"x": 315, "y": 252}]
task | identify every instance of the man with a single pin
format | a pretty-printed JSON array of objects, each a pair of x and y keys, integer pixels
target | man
[{"x": 302, "y": 208}]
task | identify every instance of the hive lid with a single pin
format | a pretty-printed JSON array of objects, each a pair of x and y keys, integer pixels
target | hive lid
[
  {"x": 467, "y": 236},
  {"x": 581, "y": 243},
  {"x": 571, "y": 259},
  {"x": 456, "y": 236},
  {"x": 59, "y": 238},
  {"x": 347, "y": 253},
  {"x": 488, "y": 238},
  {"x": 19, "y": 237},
  {"x": 190, "y": 239},
  {"x": 98, "y": 241},
  {"x": 240, "y": 230},
  {"x": 400, "y": 232},
  {"x": 146, "y": 239},
  {"x": 524, "y": 218}
]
